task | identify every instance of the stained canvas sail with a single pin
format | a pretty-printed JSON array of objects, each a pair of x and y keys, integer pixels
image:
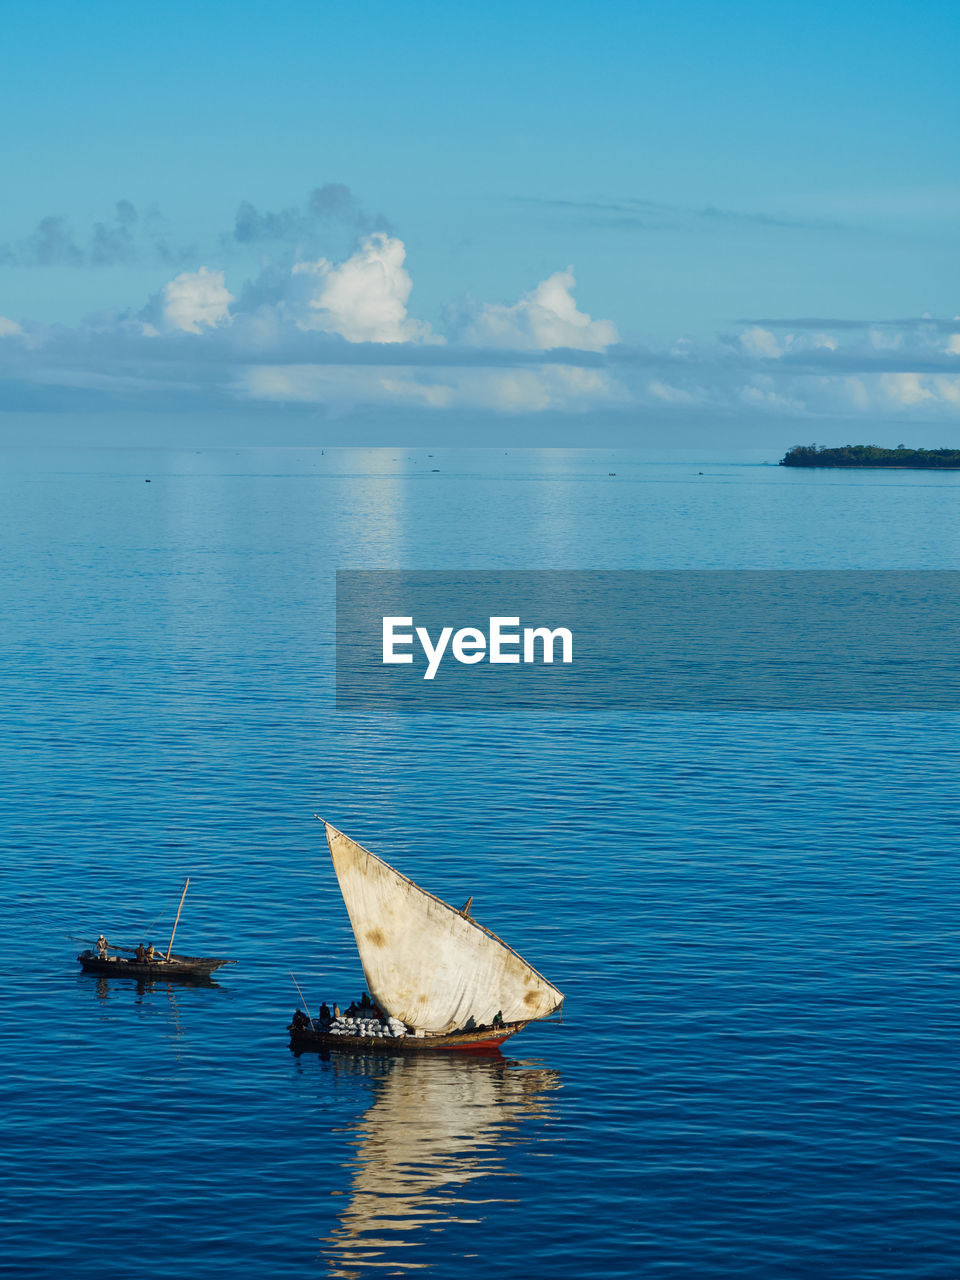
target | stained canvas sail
[{"x": 425, "y": 962}]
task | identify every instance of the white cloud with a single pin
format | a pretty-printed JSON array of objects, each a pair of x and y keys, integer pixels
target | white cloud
[
  {"x": 541, "y": 320},
  {"x": 409, "y": 390},
  {"x": 915, "y": 388},
  {"x": 9, "y": 328},
  {"x": 953, "y": 344},
  {"x": 856, "y": 390},
  {"x": 948, "y": 389},
  {"x": 530, "y": 390},
  {"x": 670, "y": 394},
  {"x": 885, "y": 340},
  {"x": 363, "y": 299},
  {"x": 811, "y": 342},
  {"x": 913, "y": 396},
  {"x": 760, "y": 342},
  {"x": 196, "y": 300},
  {"x": 764, "y": 393},
  {"x": 906, "y": 388}
]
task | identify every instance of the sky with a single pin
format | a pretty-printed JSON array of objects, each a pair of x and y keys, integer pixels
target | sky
[{"x": 662, "y": 216}]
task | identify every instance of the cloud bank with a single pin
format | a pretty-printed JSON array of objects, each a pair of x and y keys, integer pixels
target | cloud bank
[{"x": 341, "y": 333}]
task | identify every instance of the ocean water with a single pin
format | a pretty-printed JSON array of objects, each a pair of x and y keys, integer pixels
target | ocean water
[{"x": 754, "y": 918}]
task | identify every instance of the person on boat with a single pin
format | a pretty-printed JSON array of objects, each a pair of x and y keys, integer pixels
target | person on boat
[
  {"x": 324, "y": 1014},
  {"x": 352, "y": 1009},
  {"x": 150, "y": 951},
  {"x": 102, "y": 945},
  {"x": 336, "y": 1011},
  {"x": 498, "y": 1018},
  {"x": 141, "y": 952}
]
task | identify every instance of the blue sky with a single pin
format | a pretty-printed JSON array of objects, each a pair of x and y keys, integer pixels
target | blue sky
[{"x": 702, "y": 210}]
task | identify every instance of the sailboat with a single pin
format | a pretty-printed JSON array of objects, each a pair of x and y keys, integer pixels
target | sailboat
[
  {"x": 160, "y": 965},
  {"x": 441, "y": 980}
]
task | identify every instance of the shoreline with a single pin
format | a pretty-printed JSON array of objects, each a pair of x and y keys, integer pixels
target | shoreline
[{"x": 861, "y": 466}]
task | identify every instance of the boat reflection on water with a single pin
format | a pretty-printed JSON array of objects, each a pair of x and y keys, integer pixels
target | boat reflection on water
[
  {"x": 147, "y": 994},
  {"x": 437, "y": 1123},
  {"x": 107, "y": 986}
]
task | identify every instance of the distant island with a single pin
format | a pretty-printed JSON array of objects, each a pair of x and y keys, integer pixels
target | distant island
[{"x": 868, "y": 455}]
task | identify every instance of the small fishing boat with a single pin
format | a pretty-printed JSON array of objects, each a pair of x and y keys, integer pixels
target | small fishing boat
[
  {"x": 438, "y": 979},
  {"x": 162, "y": 965},
  {"x": 172, "y": 966}
]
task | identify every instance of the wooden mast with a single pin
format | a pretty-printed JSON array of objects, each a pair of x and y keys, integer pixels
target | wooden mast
[{"x": 177, "y": 921}]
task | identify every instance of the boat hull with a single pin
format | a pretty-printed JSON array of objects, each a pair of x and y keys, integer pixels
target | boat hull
[
  {"x": 486, "y": 1041},
  {"x": 182, "y": 967}
]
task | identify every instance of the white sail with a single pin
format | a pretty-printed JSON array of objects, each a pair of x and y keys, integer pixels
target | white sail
[{"x": 425, "y": 962}]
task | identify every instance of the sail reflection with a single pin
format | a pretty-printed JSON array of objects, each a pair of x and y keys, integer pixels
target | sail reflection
[{"x": 437, "y": 1124}]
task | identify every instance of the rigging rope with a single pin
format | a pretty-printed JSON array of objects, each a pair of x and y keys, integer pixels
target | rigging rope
[
  {"x": 163, "y": 909},
  {"x": 124, "y": 931}
]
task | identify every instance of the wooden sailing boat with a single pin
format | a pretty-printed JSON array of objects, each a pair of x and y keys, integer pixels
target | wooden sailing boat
[
  {"x": 452, "y": 983},
  {"x": 163, "y": 965}
]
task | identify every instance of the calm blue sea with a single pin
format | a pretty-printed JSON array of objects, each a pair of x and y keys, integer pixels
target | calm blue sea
[{"x": 754, "y": 917}]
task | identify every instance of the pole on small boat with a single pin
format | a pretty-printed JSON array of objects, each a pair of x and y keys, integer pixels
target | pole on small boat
[
  {"x": 177, "y": 921},
  {"x": 302, "y": 1001}
]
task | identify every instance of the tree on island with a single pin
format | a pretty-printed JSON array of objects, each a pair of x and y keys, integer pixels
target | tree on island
[{"x": 868, "y": 455}]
